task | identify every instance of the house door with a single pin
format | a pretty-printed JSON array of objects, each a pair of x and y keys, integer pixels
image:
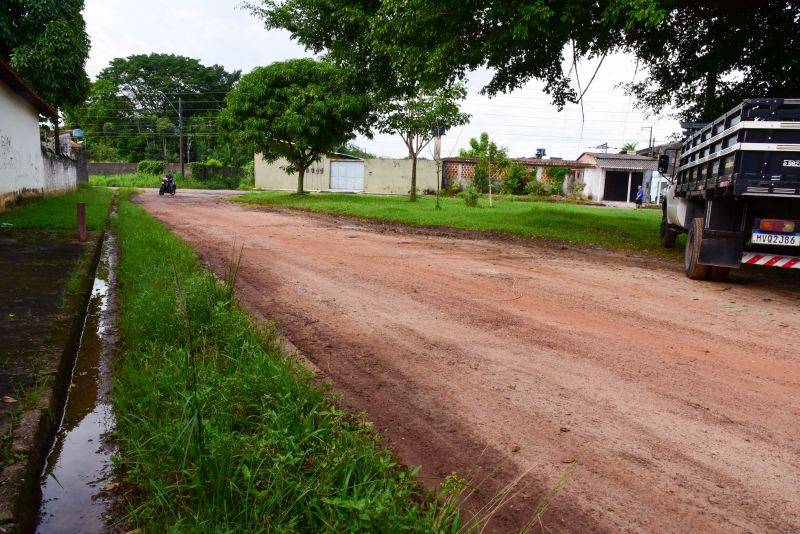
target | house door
[
  {"x": 616, "y": 186},
  {"x": 347, "y": 175}
]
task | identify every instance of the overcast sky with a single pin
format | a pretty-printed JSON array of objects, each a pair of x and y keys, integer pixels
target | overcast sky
[{"x": 219, "y": 32}]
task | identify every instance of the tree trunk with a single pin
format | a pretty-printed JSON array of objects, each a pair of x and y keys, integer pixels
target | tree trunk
[
  {"x": 413, "y": 192},
  {"x": 301, "y": 173}
]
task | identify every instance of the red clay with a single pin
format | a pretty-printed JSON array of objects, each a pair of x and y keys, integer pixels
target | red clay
[{"x": 680, "y": 399}]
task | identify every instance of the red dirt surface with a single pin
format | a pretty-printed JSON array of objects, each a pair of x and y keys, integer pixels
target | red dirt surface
[{"x": 500, "y": 359}]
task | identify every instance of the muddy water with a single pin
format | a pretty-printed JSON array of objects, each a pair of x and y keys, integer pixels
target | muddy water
[{"x": 77, "y": 477}]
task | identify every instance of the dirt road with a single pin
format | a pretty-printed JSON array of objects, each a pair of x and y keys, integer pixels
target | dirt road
[{"x": 679, "y": 399}]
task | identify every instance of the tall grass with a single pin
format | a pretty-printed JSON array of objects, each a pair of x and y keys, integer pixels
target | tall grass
[
  {"x": 221, "y": 432},
  {"x": 58, "y": 212},
  {"x": 151, "y": 180},
  {"x": 609, "y": 227}
]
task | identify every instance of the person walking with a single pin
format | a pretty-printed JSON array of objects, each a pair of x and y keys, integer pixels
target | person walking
[{"x": 639, "y": 197}]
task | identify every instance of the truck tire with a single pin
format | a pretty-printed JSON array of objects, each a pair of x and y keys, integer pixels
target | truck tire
[
  {"x": 667, "y": 233},
  {"x": 694, "y": 270},
  {"x": 718, "y": 274}
]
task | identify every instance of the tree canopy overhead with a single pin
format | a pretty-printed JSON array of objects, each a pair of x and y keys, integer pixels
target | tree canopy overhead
[
  {"x": 699, "y": 55},
  {"x": 46, "y": 42},
  {"x": 298, "y": 110}
]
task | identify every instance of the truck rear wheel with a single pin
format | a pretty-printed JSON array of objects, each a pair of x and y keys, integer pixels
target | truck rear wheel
[
  {"x": 694, "y": 270},
  {"x": 667, "y": 233}
]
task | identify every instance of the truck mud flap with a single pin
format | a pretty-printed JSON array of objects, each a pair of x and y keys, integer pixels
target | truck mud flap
[{"x": 721, "y": 251}]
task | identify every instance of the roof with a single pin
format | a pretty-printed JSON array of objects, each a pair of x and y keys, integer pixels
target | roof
[
  {"x": 571, "y": 164},
  {"x": 633, "y": 162},
  {"x": 15, "y": 82}
]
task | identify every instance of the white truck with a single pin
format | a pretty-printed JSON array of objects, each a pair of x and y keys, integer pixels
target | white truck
[{"x": 736, "y": 190}]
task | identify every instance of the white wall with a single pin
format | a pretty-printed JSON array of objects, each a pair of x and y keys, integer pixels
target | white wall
[
  {"x": 60, "y": 172},
  {"x": 381, "y": 176},
  {"x": 21, "y": 167},
  {"x": 593, "y": 178}
]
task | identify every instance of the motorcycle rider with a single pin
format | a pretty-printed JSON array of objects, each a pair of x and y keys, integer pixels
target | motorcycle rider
[{"x": 168, "y": 183}]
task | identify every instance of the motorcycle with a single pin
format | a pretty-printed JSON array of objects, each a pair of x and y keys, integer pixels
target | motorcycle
[{"x": 167, "y": 186}]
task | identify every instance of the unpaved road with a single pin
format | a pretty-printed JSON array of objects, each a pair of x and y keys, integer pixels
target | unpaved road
[{"x": 680, "y": 399}]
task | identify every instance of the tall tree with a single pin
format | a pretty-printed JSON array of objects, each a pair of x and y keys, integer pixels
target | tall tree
[
  {"x": 297, "y": 110},
  {"x": 130, "y": 91},
  {"x": 699, "y": 55},
  {"x": 415, "y": 119},
  {"x": 492, "y": 161}
]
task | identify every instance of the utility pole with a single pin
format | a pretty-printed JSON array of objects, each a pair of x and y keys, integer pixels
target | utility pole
[{"x": 180, "y": 133}]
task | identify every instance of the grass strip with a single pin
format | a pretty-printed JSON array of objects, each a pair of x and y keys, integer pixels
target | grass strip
[
  {"x": 58, "y": 212},
  {"x": 151, "y": 180},
  {"x": 608, "y": 227},
  {"x": 221, "y": 432}
]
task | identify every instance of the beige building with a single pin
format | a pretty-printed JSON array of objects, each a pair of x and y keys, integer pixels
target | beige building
[{"x": 343, "y": 173}]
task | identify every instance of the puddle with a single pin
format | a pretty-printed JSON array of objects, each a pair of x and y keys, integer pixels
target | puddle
[{"x": 79, "y": 464}]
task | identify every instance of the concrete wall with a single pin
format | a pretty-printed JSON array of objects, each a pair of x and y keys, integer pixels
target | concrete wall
[
  {"x": 21, "y": 168},
  {"x": 393, "y": 176},
  {"x": 60, "y": 172},
  {"x": 381, "y": 176}
]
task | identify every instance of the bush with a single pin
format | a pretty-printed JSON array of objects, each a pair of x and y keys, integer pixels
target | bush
[
  {"x": 248, "y": 180},
  {"x": 429, "y": 191},
  {"x": 537, "y": 188},
  {"x": 576, "y": 188},
  {"x": 471, "y": 196},
  {"x": 515, "y": 180},
  {"x": 480, "y": 180},
  {"x": 556, "y": 177},
  {"x": 452, "y": 190},
  {"x": 211, "y": 162},
  {"x": 147, "y": 166}
]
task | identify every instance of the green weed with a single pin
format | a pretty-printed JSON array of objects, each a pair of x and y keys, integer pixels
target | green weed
[
  {"x": 59, "y": 212},
  {"x": 219, "y": 431}
]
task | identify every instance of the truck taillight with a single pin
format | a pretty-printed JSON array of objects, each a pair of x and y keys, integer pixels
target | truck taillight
[{"x": 776, "y": 225}]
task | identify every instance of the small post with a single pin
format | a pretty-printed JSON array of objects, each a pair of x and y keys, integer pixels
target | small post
[
  {"x": 180, "y": 133},
  {"x": 81, "y": 221}
]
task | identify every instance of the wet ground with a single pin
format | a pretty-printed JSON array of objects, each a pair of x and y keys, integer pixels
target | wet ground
[
  {"x": 76, "y": 483},
  {"x": 34, "y": 272}
]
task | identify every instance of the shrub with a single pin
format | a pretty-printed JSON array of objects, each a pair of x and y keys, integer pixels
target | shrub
[
  {"x": 515, "y": 180},
  {"x": 429, "y": 191},
  {"x": 211, "y": 162},
  {"x": 556, "y": 177},
  {"x": 471, "y": 196},
  {"x": 452, "y": 190},
  {"x": 480, "y": 180},
  {"x": 147, "y": 166},
  {"x": 537, "y": 188},
  {"x": 576, "y": 188},
  {"x": 248, "y": 175}
]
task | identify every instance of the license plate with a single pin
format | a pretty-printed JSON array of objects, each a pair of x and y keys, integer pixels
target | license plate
[{"x": 784, "y": 240}]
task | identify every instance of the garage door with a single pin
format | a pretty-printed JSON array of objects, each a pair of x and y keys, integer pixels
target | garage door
[{"x": 347, "y": 175}]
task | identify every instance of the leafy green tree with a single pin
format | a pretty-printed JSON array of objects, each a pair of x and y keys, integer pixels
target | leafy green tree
[
  {"x": 46, "y": 42},
  {"x": 700, "y": 56},
  {"x": 492, "y": 161},
  {"x": 131, "y": 91},
  {"x": 297, "y": 110},
  {"x": 415, "y": 118}
]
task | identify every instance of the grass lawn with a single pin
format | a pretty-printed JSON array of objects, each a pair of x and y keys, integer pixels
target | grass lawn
[
  {"x": 151, "y": 180},
  {"x": 59, "y": 212},
  {"x": 220, "y": 432},
  {"x": 608, "y": 227}
]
